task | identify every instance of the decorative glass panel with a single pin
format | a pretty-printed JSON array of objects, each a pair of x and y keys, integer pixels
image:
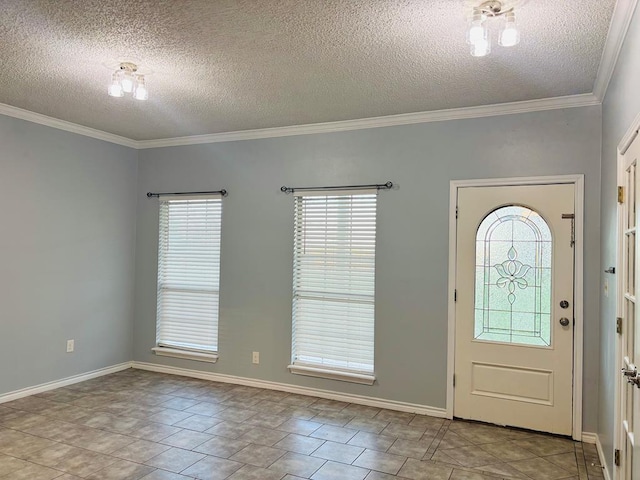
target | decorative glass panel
[{"x": 513, "y": 278}]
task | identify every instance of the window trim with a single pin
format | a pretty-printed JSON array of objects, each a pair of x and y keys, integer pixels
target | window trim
[
  {"x": 341, "y": 375},
  {"x": 187, "y": 354}
]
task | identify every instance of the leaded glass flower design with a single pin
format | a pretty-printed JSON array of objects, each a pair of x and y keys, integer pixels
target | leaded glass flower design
[
  {"x": 513, "y": 277},
  {"x": 512, "y": 273}
]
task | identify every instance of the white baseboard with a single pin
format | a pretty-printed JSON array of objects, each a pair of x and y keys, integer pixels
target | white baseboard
[
  {"x": 44, "y": 387},
  {"x": 285, "y": 387},
  {"x": 605, "y": 469},
  {"x": 593, "y": 438}
]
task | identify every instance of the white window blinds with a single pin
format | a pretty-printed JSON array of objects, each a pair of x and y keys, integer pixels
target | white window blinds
[
  {"x": 189, "y": 273},
  {"x": 334, "y": 281}
]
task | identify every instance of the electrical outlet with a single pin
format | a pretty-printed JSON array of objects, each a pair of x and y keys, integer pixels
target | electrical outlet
[
  {"x": 256, "y": 357},
  {"x": 70, "y": 345}
]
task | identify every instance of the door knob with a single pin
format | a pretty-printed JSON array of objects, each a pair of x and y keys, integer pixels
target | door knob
[
  {"x": 564, "y": 321},
  {"x": 631, "y": 374}
]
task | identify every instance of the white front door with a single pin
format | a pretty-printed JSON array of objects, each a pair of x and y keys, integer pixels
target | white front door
[
  {"x": 629, "y": 339},
  {"x": 514, "y": 306}
]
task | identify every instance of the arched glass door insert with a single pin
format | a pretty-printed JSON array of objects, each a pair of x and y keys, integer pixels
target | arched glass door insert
[{"x": 513, "y": 278}]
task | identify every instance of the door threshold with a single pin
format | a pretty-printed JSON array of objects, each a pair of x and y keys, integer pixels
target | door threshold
[{"x": 510, "y": 427}]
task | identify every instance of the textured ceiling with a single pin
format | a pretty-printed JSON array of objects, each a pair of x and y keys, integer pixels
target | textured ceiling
[{"x": 229, "y": 65}]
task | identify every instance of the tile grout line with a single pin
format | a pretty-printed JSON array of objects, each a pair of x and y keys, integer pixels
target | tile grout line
[{"x": 200, "y": 396}]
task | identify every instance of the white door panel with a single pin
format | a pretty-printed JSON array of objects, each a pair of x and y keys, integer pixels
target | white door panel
[{"x": 514, "y": 337}]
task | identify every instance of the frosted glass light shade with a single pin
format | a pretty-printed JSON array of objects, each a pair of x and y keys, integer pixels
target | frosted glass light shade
[
  {"x": 476, "y": 34},
  {"x": 115, "y": 88},
  {"x": 127, "y": 82},
  {"x": 481, "y": 48},
  {"x": 141, "y": 92},
  {"x": 509, "y": 35},
  {"x": 477, "y": 29}
]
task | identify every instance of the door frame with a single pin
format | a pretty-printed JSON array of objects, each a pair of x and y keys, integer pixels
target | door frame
[
  {"x": 618, "y": 433},
  {"x": 578, "y": 280}
]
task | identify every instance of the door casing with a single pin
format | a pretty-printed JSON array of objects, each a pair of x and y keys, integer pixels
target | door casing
[{"x": 578, "y": 331}]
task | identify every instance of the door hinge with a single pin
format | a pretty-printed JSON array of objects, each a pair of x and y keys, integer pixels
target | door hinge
[
  {"x": 616, "y": 457},
  {"x": 455, "y": 295},
  {"x": 620, "y": 194},
  {"x": 619, "y": 326},
  {"x": 456, "y": 213},
  {"x": 454, "y": 379}
]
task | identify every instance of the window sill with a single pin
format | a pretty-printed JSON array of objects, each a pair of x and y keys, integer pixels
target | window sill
[
  {"x": 342, "y": 376},
  {"x": 177, "y": 353}
]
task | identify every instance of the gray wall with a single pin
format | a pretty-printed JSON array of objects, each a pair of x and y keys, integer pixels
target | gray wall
[
  {"x": 67, "y": 247},
  {"x": 411, "y": 277},
  {"x": 621, "y": 105}
]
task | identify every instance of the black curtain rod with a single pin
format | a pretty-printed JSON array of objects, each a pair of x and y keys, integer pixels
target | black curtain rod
[
  {"x": 378, "y": 186},
  {"x": 217, "y": 192}
]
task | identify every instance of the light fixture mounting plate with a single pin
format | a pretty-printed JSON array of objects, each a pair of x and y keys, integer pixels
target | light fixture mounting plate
[
  {"x": 492, "y": 8},
  {"x": 128, "y": 67}
]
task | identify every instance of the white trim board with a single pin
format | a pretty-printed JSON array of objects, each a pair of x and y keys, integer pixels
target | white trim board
[
  {"x": 620, "y": 20},
  {"x": 618, "y": 430},
  {"x": 603, "y": 463},
  {"x": 629, "y": 136},
  {"x": 45, "y": 387},
  {"x": 570, "y": 101},
  {"x": 594, "y": 439},
  {"x": 40, "y": 119},
  {"x": 285, "y": 387},
  {"x": 578, "y": 181}
]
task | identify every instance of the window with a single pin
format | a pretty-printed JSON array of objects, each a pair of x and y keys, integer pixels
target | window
[
  {"x": 513, "y": 278},
  {"x": 333, "y": 285},
  {"x": 189, "y": 277}
]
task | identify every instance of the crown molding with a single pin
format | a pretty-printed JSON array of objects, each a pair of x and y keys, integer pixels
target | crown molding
[
  {"x": 629, "y": 136},
  {"x": 620, "y": 20},
  {"x": 571, "y": 101},
  {"x": 23, "y": 114}
]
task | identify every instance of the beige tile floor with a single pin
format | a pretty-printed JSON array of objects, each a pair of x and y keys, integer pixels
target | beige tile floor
[{"x": 140, "y": 425}]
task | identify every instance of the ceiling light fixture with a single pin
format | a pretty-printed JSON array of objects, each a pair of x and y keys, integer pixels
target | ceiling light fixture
[
  {"x": 478, "y": 34},
  {"x": 126, "y": 80}
]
